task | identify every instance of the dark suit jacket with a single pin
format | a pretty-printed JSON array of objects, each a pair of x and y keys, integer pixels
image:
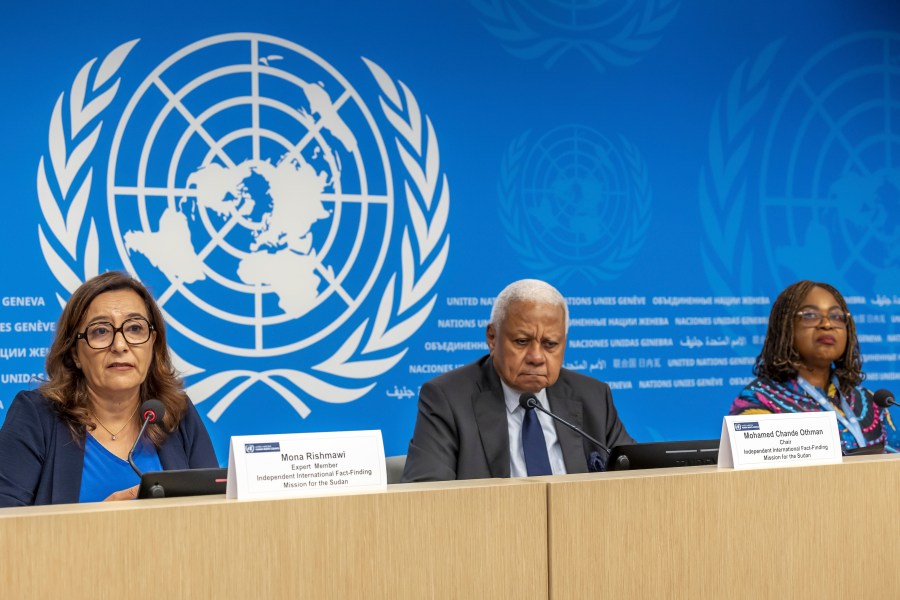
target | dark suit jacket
[
  {"x": 461, "y": 429},
  {"x": 40, "y": 463}
]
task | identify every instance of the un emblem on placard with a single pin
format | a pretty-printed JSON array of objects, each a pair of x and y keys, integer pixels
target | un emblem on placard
[
  {"x": 575, "y": 203},
  {"x": 252, "y": 188}
]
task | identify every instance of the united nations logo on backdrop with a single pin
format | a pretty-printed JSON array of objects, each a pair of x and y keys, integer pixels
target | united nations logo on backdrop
[
  {"x": 252, "y": 187},
  {"x": 574, "y": 203},
  {"x": 608, "y": 33},
  {"x": 831, "y": 168},
  {"x": 806, "y": 174}
]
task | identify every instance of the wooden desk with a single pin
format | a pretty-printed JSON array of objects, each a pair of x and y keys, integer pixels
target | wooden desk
[
  {"x": 694, "y": 532},
  {"x": 443, "y": 540},
  {"x": 698, "y": 532}
]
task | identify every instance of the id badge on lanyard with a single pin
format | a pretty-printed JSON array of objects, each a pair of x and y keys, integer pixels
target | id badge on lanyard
[{"x": 848, "y": 419}]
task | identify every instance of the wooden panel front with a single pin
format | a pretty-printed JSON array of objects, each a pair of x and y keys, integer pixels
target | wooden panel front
[
  {"x": 448, "y": 540},
  {"x": 699, "y": 532}
]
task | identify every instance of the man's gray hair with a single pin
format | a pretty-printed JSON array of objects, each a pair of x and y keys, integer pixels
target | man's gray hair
[{"x": 527, "y": 290}]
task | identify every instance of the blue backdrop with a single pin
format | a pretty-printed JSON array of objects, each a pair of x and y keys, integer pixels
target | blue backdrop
[{"x": 326, "y": 196}]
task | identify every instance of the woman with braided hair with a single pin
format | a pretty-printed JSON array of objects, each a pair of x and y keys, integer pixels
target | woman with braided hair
[{"x": 810, "y": 361}]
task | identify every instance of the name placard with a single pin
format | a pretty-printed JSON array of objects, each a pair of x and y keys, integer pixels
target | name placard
[
  {"x": 305, "y": 464},
  {"x": 776, "y": 440}
]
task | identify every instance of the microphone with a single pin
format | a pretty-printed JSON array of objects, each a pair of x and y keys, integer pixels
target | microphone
[
  {"x": 884, "y": 399},
  {"x": 528, "y": 400},
  {"x": 152, "y": 411}
]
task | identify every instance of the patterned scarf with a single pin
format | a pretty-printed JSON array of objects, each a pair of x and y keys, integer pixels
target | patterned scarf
[{"x": 764, "y": 396}]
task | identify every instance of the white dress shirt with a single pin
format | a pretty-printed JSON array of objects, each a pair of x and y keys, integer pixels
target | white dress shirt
[{"x": 515, "y": 416}]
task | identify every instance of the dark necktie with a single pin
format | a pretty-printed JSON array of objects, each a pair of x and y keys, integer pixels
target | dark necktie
[{"x": 537, "y": 462}]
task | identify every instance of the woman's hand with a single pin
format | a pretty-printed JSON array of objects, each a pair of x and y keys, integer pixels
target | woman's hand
[{"x": 126, "y": 494}]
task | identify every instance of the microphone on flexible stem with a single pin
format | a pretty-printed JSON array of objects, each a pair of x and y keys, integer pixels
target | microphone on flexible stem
[
  {"x": 884, "y": 399},
  {"x": 529, "y": 400},
  {"x": 152, "y": 411}
]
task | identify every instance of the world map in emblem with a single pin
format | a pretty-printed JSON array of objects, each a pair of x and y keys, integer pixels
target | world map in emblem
[
  {"x": 575, "y": 202},
  {"x": 830, "y": 172},
  {"x": 249, "y": 183}
]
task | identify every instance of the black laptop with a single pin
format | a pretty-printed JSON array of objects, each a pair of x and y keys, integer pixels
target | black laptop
[
  {"x": 185, "y": 482},
  {"x": 659, "y": 455},
  {"x": 873, "y": 449}
]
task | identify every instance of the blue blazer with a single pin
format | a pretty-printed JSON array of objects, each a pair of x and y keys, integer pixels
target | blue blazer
[{"x": 40, "y": 462}]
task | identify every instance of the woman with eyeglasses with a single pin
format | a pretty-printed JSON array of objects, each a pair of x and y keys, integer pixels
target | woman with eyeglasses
[
  {"x": 810, "y": 361},
  {"x": 68, "y": 441}
]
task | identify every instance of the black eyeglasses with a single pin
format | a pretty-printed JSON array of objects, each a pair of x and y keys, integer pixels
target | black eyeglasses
[
  {"x": 100, "y": 335},
  {"x": 812, "y": 318}
]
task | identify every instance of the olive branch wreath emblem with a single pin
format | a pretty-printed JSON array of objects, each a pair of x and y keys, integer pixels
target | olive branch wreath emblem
[
  {"x": 636, "y": 34},
  {"x": 64, "y": 184},
  {"x": 727, "y": 250}
]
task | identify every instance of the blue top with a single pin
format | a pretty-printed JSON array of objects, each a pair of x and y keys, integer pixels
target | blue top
[
  {"x": 40, "y": 462},
  {"x": 105, "y": 473}
]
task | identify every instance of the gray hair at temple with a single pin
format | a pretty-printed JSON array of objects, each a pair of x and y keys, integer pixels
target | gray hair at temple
[{"x": 527, "y": 290}]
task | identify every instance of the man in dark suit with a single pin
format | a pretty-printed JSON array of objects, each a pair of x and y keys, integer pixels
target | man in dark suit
[{"x": 470, "y": 424}]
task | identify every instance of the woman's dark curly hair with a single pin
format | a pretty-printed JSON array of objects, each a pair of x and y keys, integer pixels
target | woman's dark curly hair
[
  {"x": 66, "y": 388},
  {"x": 778, "y": 359}
]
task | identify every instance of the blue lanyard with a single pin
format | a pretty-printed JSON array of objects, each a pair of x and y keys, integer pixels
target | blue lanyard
[{"x": 848, "y": 419}]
